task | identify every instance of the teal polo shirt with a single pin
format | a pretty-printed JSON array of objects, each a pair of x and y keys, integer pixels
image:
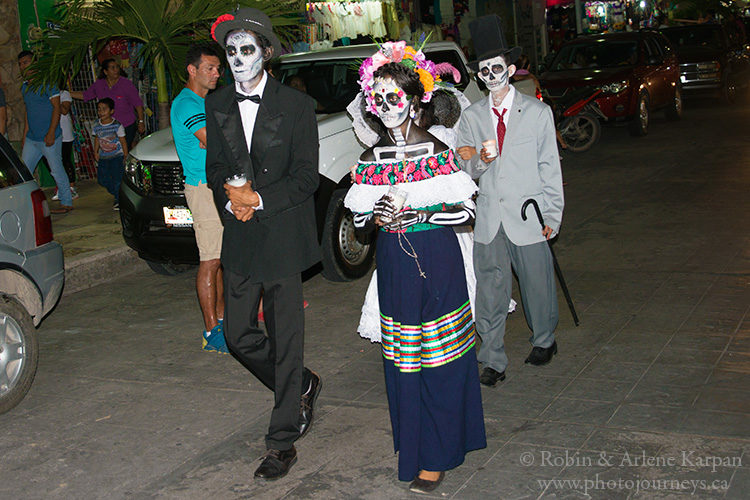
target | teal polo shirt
[{"x": 188, "y": 115}]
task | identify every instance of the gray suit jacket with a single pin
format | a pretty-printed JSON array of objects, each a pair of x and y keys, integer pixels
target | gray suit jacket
[{"x": 528, "y": 167}]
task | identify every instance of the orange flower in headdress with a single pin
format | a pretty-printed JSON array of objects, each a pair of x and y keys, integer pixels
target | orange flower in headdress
[{"x": 428, "y": 82}]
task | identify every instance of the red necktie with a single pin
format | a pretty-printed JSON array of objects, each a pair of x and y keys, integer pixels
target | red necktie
[{"x": 500, "y": 130}]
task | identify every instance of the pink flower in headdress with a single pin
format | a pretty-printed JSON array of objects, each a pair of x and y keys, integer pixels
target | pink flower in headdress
[
  {"x": 419, "y": 57},
  {"x": 219, "y": 20},
  {"x": 393, "y": 51},
  {"x": 379, "y": 59}
]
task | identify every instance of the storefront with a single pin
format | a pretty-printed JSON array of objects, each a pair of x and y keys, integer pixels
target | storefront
[{"x": 345, "y": 23}]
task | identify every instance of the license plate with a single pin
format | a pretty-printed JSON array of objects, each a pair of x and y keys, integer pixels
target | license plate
[{"x": 178, "y": 216}]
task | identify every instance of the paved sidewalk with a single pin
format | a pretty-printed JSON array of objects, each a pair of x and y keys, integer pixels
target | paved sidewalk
[
  {"x": 648, "y": 398},
  {"x": 91, "y": 237}
]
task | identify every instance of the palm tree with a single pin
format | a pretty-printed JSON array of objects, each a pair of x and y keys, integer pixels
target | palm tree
[{"x": 165, "y": 28}]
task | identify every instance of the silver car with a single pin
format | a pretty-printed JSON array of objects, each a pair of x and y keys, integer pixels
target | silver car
[{"x": 31, "y": 274}]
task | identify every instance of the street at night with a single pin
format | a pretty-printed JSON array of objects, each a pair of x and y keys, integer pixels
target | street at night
[{"x": 648, "y": 398}]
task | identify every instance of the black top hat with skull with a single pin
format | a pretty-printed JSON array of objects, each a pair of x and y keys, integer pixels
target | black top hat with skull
[{"x": 489, "y": 40}]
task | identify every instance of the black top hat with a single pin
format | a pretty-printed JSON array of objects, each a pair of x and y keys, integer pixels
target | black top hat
[
  {"x": 248, "y": 19},
  {"x": 489, "y": 40}
]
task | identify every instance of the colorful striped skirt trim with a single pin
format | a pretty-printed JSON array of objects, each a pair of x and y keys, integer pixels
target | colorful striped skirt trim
[{"x": 431, "y": 344}]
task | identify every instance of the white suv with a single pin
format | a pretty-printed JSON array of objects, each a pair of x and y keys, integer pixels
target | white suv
[{"x": 152, "y": 189}]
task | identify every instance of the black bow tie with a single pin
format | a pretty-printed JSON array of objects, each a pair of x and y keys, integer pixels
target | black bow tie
[{"x": 243, "y": 97}]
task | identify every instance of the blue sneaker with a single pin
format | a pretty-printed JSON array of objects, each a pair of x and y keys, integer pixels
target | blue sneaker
[{"x": 214, "y": 340}]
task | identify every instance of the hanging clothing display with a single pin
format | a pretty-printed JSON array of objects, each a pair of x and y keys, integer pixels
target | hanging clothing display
[{"x": 335, "y": 20}]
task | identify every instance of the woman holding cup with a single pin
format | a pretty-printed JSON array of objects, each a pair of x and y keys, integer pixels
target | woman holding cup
[{"x": 409, "y": 187}]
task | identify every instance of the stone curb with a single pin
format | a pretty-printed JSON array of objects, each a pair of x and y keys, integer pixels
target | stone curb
[{"x": 94, "y": 268}]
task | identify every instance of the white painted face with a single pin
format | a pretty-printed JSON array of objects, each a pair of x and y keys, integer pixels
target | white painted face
[
  {"x": 495, "y": 73},
  {"x": 245, "y": 55},
  {"x": 391, "y": 102}
]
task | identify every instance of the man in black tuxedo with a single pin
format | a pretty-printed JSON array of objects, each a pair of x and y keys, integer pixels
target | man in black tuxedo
[{"x": 265, "y": 134}]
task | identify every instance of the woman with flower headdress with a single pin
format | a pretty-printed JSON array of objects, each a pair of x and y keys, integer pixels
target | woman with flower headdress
[{"x": 409, "y": 186}]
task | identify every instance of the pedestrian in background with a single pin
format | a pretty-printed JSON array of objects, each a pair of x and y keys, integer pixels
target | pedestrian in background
[
  {"x": 188, "y": 117},
  {"x": 42, "y": 135},
  {"x": 110, "y": 149},
  {"x": 66, "y": 125},
  {"x": 128, "y": 104}
]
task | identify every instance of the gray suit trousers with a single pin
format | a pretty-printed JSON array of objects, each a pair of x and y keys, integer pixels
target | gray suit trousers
[{"x": 536, "y": 279}]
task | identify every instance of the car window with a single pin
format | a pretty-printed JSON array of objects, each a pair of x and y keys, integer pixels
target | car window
[
  {"x": 652, "y": 48},
  {"x": 707, "y": 37},
  {"x": 332, "y": 83},
  {"x": 596, "y": 53},
  {"x": 664, "y": 45},
  {"x": 10, "y": 174},
  {"x": 452, "y": 57}
]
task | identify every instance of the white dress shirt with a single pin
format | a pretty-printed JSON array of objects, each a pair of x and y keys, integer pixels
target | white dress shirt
[
  {"x": 248, "y": 114},
  {"x": 506, "y": 103}
]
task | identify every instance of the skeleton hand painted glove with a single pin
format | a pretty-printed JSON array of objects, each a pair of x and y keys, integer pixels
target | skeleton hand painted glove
[
  {"x": 407, "y": 218},
  {"x": 384, "y": 209}
]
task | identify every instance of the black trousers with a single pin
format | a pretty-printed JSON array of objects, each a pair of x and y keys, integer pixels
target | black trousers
[
  {"x": 130, "y": 131},
  {"x": 67, "y": 157},
  {"x": 275, "y": 359}
]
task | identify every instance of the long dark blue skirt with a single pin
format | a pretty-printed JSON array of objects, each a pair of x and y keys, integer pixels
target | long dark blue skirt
[{"x": 428, "y": 351}]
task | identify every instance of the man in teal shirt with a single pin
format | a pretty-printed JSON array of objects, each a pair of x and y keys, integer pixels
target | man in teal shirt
[{"x": 188, "y": 117}]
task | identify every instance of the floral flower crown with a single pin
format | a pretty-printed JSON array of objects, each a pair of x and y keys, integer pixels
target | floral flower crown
[{"x": 414, "y": 59}]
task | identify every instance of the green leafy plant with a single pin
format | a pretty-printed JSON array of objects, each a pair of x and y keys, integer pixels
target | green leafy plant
[{"x": 164, "y": 28}]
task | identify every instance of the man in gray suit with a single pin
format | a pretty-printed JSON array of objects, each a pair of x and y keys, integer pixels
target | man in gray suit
[{"x": 522, "y": 163}]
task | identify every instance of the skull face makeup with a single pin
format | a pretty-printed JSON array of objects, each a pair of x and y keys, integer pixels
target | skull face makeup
[
  {"x": 391, "y": 102},
  {"x": 495, "y": 73},
  {"x": 245, "y": 56}
]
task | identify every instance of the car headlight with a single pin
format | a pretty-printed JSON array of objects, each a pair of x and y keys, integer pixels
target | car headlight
[
  {"x": 614, "y": 88},
  {"x": 137, "y": 173}
]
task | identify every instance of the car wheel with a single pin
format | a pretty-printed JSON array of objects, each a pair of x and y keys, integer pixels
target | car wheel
[
  {"x": 639, "y": 125},
  {"x": 674, "y": 109},
  {"x": 729, "y": 90},
  {"x": 347, "y": 255},
  {"x": 581, "y": 132},
  {"x": 168, "y": 268},
  {"x": 19, "y": 353}
]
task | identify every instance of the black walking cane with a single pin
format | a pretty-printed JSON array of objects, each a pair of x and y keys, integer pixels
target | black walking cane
[{"x": 558, "y": 272}]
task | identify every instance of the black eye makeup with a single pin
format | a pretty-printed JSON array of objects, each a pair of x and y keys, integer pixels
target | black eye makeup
[
  {"x": 247, "y": 50},
  {"x": 393, "y": 98},
  {"x": 496, "y": 68}
]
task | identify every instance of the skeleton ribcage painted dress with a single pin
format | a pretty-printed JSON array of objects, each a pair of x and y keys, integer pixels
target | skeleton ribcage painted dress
[{"x": 427, "y": 327}]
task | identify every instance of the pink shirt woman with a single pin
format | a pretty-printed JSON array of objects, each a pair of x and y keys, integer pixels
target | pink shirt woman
[{"x": 128, "y": 104}]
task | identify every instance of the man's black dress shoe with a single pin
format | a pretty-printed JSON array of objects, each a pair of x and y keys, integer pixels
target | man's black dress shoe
[
  {"x": 490, "y": 377},
  {"x": 307, "y": 401},
  {"x": 542, "y": 355},
  {"x": 420, "y": 485},
  {"x": 276, "y": 463}
]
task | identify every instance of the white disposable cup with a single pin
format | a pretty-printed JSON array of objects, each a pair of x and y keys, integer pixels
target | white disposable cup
[
  {"x": 490, "y": 146},
  {"x": 398, "y": 197},
  {"x": 237, "y": 180}
]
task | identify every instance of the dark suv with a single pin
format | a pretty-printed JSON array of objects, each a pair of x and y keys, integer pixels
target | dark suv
[
  {"x": 709, "y": 62},
  {"x": 637, "y": 73}
]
